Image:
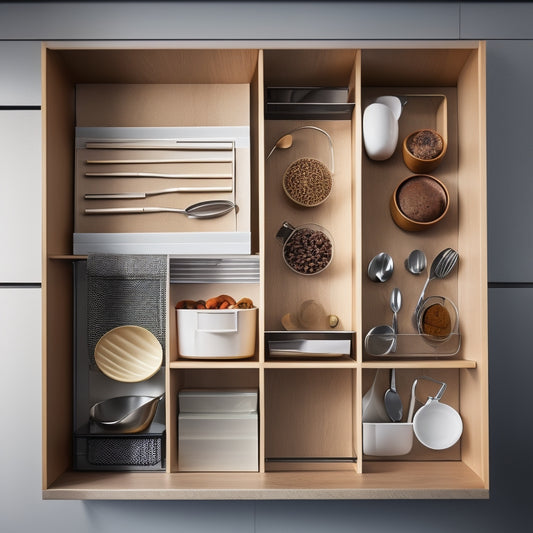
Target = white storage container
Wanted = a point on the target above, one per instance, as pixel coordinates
(216, 334)
(387, 438)
(218, 442)
(218, 401)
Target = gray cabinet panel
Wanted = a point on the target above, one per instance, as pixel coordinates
(509, 153)
(20, 196)
(233, 21)
(20, 68)
(496, 20)
(511, 368)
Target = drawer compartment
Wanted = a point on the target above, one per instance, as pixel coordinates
(218, 442)
(144, 451)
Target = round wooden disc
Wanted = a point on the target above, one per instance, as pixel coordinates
(129, 354)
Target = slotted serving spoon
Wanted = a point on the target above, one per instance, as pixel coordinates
(441, 266)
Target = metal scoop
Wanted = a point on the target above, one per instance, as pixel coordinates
(207, 209)
(125, 414)
(416, 262)
(381, 267)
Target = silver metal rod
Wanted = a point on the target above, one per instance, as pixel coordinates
(140, 195)
(160, 145)
(148, 161)
(154, 175)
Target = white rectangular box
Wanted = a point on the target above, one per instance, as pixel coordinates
(218, 401)
(217, 333)
(218, 442)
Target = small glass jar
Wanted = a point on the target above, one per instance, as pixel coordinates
(307, 249)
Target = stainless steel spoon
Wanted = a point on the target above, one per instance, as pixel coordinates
(395, 305)
(416, 262)
(393, 402)
(207, 209)
(442, 265)
(381, 267)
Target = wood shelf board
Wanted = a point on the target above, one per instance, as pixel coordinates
(159, 65)
(67, 257)
(421, 363)
(383, 480)
(205, 364)
(332, 363)
(309, 363)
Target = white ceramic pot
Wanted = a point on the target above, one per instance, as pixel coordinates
(387, 438)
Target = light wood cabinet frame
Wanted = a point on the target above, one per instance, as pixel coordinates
(453, 68)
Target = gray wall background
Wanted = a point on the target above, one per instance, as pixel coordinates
(508, 28)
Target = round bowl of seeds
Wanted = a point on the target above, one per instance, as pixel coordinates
(424, 150)
(307, 182)
(307, 249)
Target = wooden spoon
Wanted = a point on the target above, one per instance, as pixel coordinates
(283, 143)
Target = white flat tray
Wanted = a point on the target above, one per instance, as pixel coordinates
(310, 348)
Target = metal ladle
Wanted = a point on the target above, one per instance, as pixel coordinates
(207, 209)
(416, 262)
(393, 402)
(381, 267)
(442, 265)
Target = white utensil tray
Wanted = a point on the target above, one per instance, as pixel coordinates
(309, 344)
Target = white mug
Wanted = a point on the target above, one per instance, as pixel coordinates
(437, 425)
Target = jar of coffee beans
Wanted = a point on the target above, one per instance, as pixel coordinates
(307, 249)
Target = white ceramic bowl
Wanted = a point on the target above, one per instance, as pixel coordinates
(437, 425)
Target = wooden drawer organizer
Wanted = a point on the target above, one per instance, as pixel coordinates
(310, 429)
